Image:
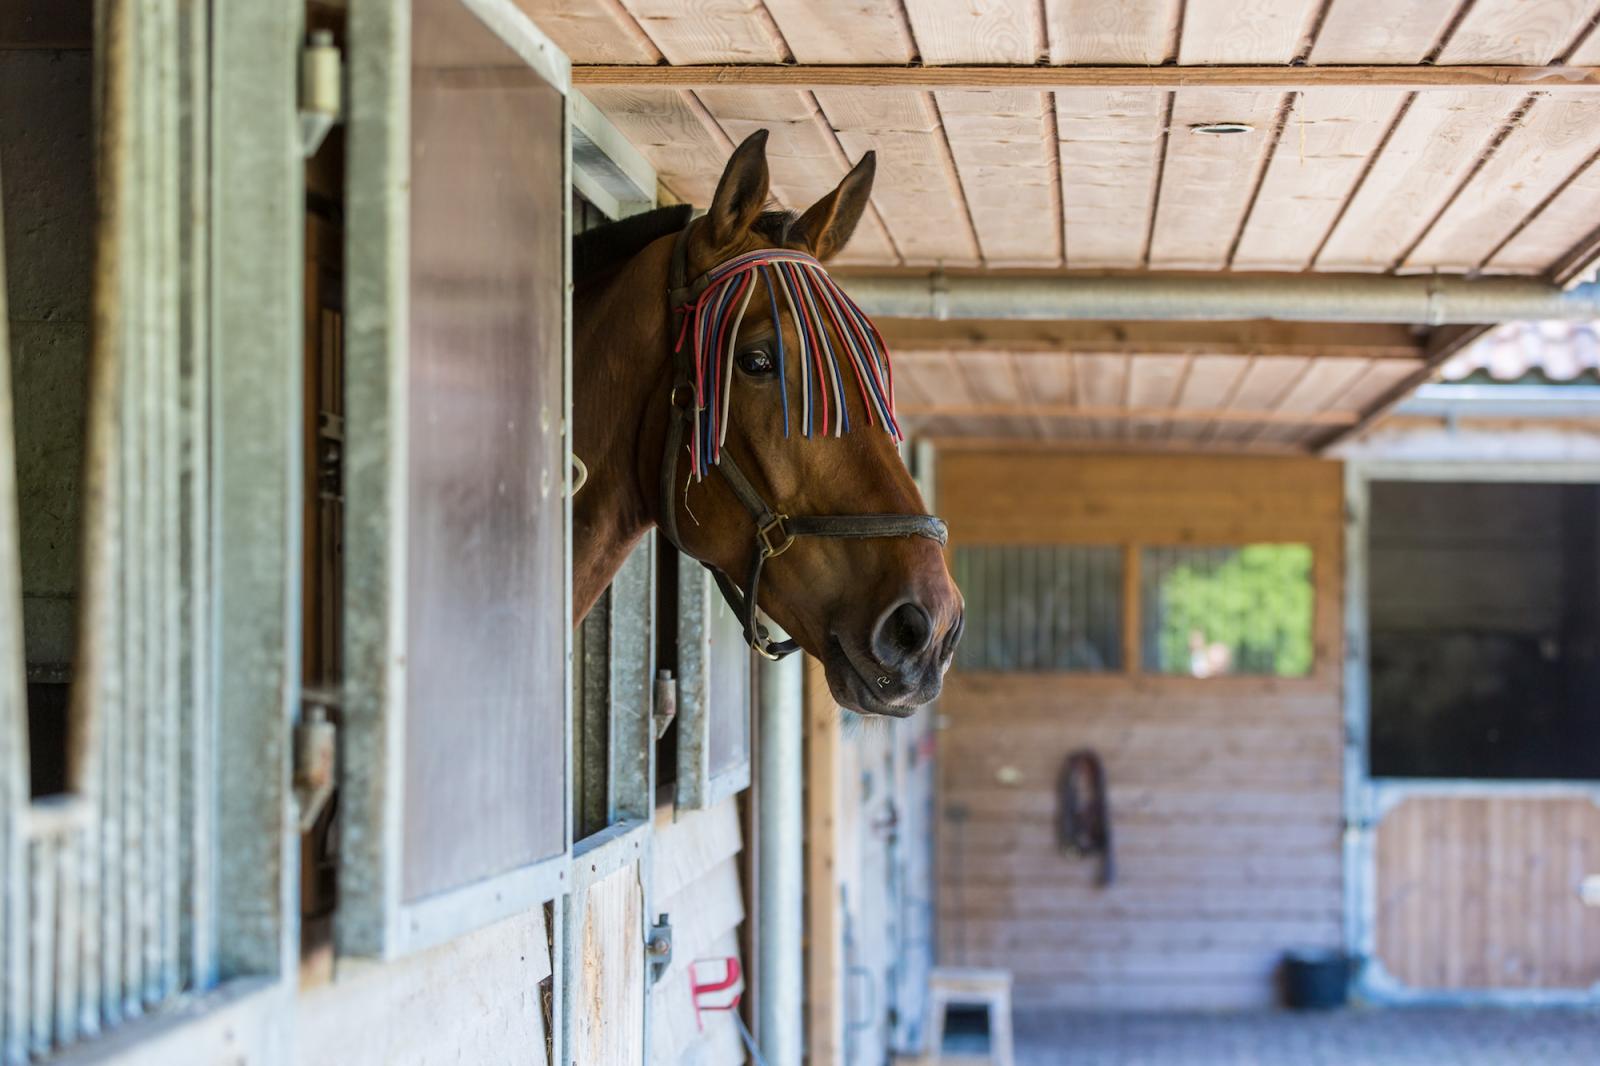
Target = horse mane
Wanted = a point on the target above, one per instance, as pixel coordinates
(602, 251)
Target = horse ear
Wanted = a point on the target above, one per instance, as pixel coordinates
(742, 191)
(827, 224)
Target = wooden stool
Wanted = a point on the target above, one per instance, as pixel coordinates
(953, 986)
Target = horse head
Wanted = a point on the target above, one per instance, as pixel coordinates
(769, 449)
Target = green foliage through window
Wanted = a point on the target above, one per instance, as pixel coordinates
(1209, 612)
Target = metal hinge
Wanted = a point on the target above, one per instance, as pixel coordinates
(316, 751)
(658, 948)
(665, 707)
(321, 90)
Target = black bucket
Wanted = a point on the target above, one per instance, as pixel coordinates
(1316, 980)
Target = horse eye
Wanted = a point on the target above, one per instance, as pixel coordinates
(757, 362)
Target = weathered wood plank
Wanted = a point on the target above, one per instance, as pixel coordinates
(1505, 81)
(1381, 31)
(1434, 146)
(1555, 139)
(1134, 31)
(1225, 31)
(1110, 145)
(1007, 165)
(1326, 144)
(1207, 180)
(1480, 892)
(919, 192)
(1267, 339)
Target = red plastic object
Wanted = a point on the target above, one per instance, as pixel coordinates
(729, 979)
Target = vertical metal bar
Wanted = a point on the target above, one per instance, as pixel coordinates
(780, 872)
(41, 942)
(256, 338)
(69, 893)
(197, 940)
(1131, 652)
(376, 399)
(170, 709)
(14, 783)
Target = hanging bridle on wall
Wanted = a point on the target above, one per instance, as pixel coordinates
(707, 313)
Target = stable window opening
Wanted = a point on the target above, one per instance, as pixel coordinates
(1484, 630)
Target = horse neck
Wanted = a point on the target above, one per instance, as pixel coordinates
(621, 375)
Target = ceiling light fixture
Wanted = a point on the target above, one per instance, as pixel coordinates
(1221, 127)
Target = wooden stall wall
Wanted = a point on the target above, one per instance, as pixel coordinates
(1224, 792)
(1481, 892)
(695, 880)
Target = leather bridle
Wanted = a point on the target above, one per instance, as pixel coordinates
(775, 531)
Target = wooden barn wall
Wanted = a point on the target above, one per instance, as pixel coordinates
(1479, 892)
(695, 881)
(474, 999)
(1224, 793)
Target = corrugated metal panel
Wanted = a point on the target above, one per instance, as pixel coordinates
(1041, 608)
(98, 900)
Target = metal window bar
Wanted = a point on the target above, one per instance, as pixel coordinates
(99, 898)
(1041, 608)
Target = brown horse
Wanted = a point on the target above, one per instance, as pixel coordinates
(881, 611)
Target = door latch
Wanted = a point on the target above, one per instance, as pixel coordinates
(316, 749)
(658, 948)
(321, 90)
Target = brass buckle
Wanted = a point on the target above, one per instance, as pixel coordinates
(764, 537)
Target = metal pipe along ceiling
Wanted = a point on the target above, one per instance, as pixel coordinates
(1433, 301)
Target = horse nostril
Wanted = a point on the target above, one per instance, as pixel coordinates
(904, 632)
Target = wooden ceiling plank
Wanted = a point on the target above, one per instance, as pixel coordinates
(1045, 378)
(917, 191)
(711, 31)
(1551, 236)
(1516, 31)
(1323, 152)
(594, 31)
(836, 31)
(989, 378)
(1324, 382)
(666, 130)
(1555, 139)
(1208, 179)
(1267, 382)
(1154, 382)
(1092, 31)
(1436, 144)
(1382, 31)
(1110, 146)
(1264, 338)
(1226, 31)
(977, 31)
(938, 377)
(997, 140)
(1117, 413)
(1491, 79)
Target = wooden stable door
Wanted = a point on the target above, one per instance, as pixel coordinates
(1486, 892)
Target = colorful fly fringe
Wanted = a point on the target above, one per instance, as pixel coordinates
(815, 304)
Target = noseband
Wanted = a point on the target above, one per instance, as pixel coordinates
(775, 531)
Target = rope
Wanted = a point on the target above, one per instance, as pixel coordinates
(749, 1041)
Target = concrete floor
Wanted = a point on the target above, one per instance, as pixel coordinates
(1393, 1037)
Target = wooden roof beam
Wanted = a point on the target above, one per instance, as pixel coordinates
(1262, 339)
(1276, 78)
(1161, 414)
